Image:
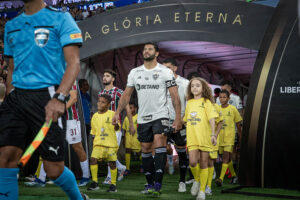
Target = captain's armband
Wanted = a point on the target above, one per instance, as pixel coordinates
(170, 83)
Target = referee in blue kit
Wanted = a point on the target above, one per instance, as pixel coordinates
(43, 49)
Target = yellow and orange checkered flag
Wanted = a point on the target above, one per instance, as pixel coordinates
(35, 144)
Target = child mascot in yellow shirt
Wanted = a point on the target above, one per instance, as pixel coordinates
(105, 146)
(200, 117)
(232, 119)
(132, 143)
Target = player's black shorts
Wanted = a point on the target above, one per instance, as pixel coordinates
(178, 138)
(147, 131)
(22, 114)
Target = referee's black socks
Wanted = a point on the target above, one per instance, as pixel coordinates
(160, 160)
(148, 166)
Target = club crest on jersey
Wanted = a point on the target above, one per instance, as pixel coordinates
(202, 105)
(193, 114)
(155, 76)
(41, 37)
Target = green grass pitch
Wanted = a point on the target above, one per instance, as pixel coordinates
(130, 187)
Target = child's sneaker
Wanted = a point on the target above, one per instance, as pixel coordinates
(83, 182)
(112, 188)
(219, 182)
(107, 181)
(36, 183)
(208, 191)
(93, 186)
(121, 174)
(127, 172)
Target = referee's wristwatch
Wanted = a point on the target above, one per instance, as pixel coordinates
(60, 97)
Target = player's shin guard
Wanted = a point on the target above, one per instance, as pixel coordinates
(183, 163)
(67, 182)
(148, 166)
(9, 184)
(160, 163)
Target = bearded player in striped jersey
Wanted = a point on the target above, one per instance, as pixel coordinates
(109, 77)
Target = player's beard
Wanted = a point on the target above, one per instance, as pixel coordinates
(106, 83)
(150, 58)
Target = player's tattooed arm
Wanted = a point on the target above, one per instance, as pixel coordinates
(125, 98)
(175, 100)
(177, 106)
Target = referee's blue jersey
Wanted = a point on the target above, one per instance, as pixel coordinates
(36, 42)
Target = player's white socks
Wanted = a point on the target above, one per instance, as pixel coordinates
(85, 169)
(42, 175)
(119, 165)
(170, 159)
(108, 172)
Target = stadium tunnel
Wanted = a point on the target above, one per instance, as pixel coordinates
(222, 40)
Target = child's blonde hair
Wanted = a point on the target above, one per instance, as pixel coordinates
(206, 90)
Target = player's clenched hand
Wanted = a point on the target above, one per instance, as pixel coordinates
(54, 109)
(131, 130)
(115, 119)
(177, 125)
(214, 140)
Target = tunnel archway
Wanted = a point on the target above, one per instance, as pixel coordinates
(271, 32)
